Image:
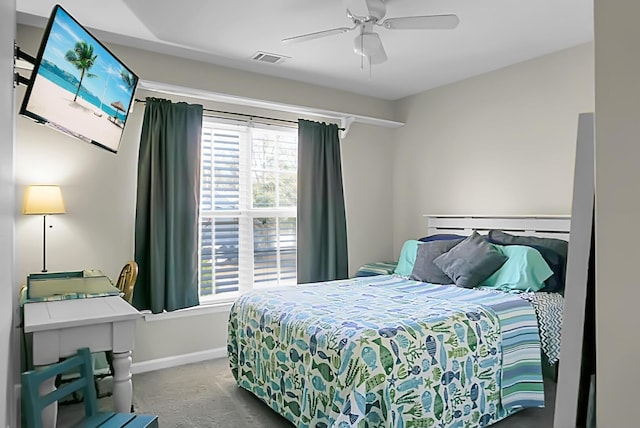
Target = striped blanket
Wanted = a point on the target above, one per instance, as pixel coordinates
(377, 268)
(386, 351)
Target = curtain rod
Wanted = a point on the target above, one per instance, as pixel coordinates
(250, 116)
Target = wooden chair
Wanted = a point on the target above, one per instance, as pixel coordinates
(33, 403)
(127, 280)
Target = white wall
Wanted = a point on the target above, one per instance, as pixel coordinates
(617, 67)
(9, 367)
(499, 143)
(99, 187)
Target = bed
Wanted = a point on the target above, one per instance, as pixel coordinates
(391, 351)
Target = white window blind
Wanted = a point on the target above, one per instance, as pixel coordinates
(247, 208)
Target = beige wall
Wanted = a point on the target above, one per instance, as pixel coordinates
(156, 67)
(207, 334)
(617, 67)
(9, 367)
(99, 187)
(368, 186)
(499, 143)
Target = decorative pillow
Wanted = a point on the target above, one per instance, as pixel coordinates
(424, 269)
(407, 258)
(441, 237)
(525, 270)
(554, 252)
(471, 261)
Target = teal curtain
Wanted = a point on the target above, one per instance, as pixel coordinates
(322, 225)
(166, 230)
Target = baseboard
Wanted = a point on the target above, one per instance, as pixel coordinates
(177, 360)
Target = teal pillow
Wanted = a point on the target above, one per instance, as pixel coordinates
(407, 258)
(524, 270)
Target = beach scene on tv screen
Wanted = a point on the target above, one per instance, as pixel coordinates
(80, 88)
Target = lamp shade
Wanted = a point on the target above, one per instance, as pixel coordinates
(43, 200)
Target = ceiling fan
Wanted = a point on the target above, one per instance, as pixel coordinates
(368, 43)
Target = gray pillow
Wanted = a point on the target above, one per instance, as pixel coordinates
(471, 261)
(424, 270)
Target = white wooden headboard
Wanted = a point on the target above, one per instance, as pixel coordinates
(545, 226)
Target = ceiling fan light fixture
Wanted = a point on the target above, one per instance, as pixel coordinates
(378, 58)
(367, 44)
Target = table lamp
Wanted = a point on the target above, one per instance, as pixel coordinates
(43, 200)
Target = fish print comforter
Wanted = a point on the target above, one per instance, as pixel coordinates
(386, 352)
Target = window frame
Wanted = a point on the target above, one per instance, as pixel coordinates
(245, 213)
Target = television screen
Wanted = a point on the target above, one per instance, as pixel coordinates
(78, 86)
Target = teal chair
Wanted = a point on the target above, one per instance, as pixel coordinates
(33, 404)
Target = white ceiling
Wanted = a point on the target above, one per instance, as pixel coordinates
(492, 34)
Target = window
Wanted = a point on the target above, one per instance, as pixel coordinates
(248, 197)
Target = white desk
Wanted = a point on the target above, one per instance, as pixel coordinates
(60, 328)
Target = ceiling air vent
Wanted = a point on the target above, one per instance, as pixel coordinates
(268, 57)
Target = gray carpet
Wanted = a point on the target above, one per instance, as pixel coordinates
(205, 395)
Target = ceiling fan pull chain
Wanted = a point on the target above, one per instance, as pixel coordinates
(361, 44)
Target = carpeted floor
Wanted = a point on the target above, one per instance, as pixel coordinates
(205, 395)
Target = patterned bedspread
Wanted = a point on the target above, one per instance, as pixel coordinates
(386, 351)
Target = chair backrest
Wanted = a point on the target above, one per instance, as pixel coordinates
(33, 403)
(127, 280)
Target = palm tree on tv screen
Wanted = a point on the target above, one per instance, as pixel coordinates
(82, 57)
(128, 79)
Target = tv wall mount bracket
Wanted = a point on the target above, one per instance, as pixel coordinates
(20, 54)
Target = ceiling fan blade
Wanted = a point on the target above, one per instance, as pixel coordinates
(376, 8)
(317, 35)
(430, 22)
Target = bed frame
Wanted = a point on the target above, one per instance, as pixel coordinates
(544, 226)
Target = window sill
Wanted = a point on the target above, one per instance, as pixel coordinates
(202, 309)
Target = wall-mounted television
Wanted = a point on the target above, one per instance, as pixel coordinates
(78, 86)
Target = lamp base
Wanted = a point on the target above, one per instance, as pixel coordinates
(44, 243)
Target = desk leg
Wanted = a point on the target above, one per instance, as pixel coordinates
(122, 386)
(50, 413)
